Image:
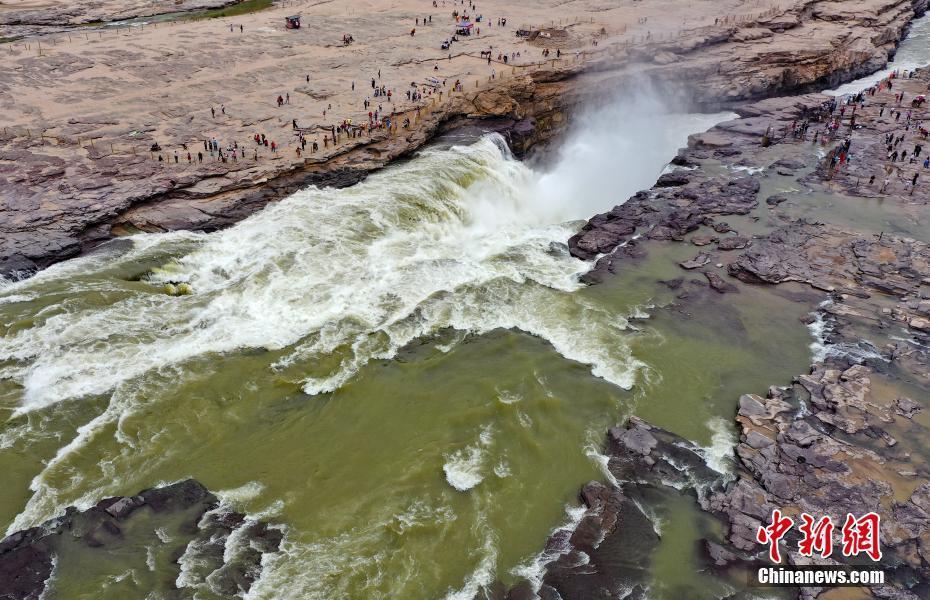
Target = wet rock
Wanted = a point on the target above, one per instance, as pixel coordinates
(673, 284)
(734, 242)
(703, 240)
(719, 555)
(832, 442)
(697, 262)
(718, 284)
(907, 408)
(775, 200)
(123, 507)
(673, 179)
(26, 557)
(789, 164)
(642, 452)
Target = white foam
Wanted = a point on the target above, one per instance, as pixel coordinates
(48, 588)
(817, 328)
(246, 492)
(860, 351)
(592, 449)
(508, 397)
(719, 455)
(481, 576)
(502, 469)
(163, 535)
(456, 239)
(463, 468)
(534, 569)
(193, 565)
(421, 514)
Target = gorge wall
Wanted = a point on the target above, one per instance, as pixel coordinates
(50, 211)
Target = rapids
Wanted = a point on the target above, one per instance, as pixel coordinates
(402, 373)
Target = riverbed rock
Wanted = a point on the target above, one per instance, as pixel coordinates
(718, 284)
(27, 557)
(841, 438)
(700, 260)
(732, 242)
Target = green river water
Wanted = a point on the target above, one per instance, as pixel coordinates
(404, 375)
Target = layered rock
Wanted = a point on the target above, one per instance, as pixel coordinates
(25, 19)
(67, 190)
(28, 558)
(848, 437)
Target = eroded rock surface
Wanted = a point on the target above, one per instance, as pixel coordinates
(27, 558)
(75, 164)
(849, 436)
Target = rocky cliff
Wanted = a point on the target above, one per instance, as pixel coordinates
(850, 436)
(54, 207)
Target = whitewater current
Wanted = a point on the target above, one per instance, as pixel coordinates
(464, 238)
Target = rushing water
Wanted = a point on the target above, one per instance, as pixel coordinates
(913, 52)
(404, 373)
